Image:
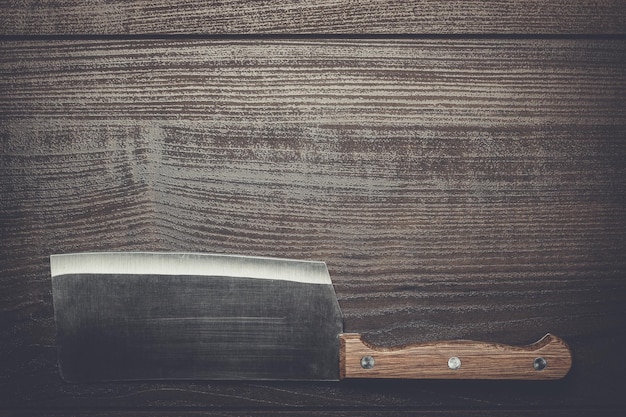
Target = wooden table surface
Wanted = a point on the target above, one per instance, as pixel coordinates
(460, 166)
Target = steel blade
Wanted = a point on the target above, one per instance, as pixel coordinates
(144, 316)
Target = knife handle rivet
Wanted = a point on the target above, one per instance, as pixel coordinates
(367, 362)
(540, 364)
(454, 363)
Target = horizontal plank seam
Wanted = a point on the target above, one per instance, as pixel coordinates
(278, 36)
(295, 408)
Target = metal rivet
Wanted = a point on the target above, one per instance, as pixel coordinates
(454, 363)
(540, 364)
(367, 362)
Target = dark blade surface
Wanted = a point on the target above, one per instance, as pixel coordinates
(215, 323)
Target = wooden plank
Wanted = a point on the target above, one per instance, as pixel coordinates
(361, 84)
(355, 412)
(125, 17)
(457, 189)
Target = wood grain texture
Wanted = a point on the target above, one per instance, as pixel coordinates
(469, 189)
(411, 86)
(132, 17)
(472, 360)
(355, 412)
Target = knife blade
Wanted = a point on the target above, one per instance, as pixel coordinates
(167, 316)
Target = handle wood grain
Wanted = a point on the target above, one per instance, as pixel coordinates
(549, 358)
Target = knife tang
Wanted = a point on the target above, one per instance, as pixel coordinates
(549, 358)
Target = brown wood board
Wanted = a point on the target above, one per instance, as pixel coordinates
(133, 17)
(456, 188)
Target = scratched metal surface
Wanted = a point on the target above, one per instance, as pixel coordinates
(151, 327)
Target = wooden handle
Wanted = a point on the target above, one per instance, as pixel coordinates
(549, 358)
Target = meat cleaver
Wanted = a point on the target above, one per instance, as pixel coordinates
(166, 316)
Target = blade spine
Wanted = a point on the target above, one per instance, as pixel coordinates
(305, 271)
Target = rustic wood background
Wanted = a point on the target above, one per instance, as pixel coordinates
(460, 166)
